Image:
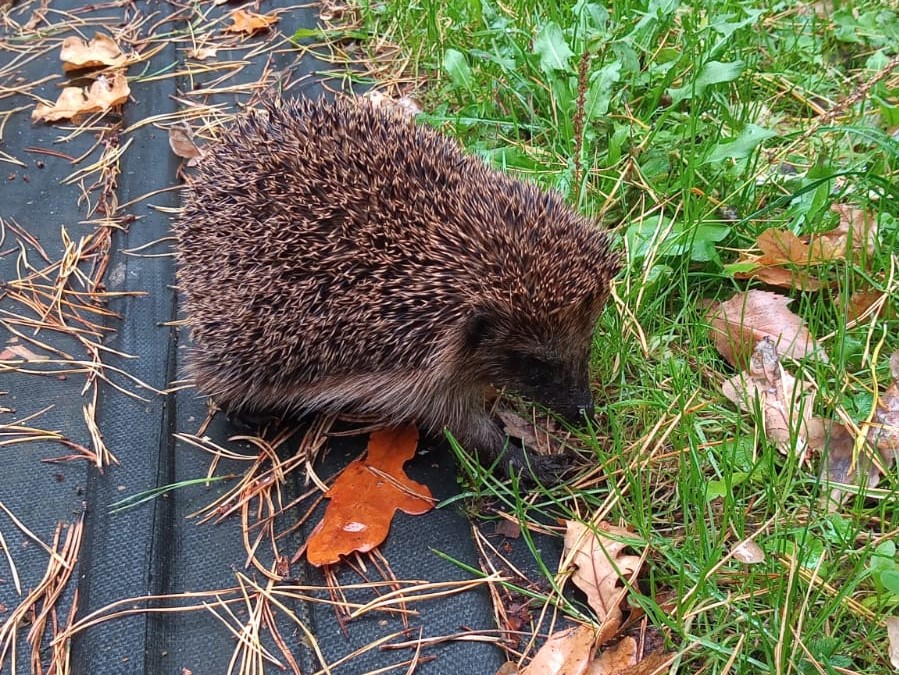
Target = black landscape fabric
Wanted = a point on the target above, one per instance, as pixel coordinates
(156, 548)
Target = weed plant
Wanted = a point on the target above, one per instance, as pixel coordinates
(688, 128)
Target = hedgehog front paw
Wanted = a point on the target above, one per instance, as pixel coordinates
(547, 470)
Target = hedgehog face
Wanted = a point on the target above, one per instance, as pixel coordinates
(547, 365)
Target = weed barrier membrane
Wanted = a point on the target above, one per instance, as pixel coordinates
(157, 548)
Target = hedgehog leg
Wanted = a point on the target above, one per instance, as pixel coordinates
(495, 447)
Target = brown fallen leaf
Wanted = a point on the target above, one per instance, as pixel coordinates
(249, 22)
(652, 664)
(103, 94)
(857, 231)
(19, 351)
(365, 496)
(892, 624)
(543, 443)
(863, 300)
(739, 323)
(782, 251)
(566, 652)
(404, 105)
(884, 431)
(102, 50)
(782, 277)
(182, 144)
(842, 465)
(203, 53)
(615, 659)
(601, 566)
(785, 402)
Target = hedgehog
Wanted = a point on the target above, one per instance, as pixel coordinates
(334, 256)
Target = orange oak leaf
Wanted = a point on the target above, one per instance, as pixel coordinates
(365, 496)
(249, 22)
(854, 236)
(103, 94)
(102, 50)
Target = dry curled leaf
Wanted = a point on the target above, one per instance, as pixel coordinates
(533, 437)
(884, 433)
(19, 351)
(203, 53)
(785, 402)
(601, 566)
(249, 22)
(856, 232)
(103, 94)
(843, 465)
(101, 51)
(405, 106)
(739, 323)
(566, 652)
(365, 496)
(615, 659)
(182, 144)
(892, 624)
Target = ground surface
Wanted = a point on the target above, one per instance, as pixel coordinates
(154, 548)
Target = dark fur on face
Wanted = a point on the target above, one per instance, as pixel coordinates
(335, 257)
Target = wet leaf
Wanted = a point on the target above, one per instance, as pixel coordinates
(601, 566)
(101, 51)
(785, 402)
(738, 324)
(566, 652)
(103, 94)
(248, 23)
(365, 496)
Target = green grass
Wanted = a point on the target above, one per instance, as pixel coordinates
(714, 121)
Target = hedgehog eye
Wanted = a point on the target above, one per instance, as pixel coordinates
(478, 330)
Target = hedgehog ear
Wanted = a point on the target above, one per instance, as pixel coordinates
(478, 329)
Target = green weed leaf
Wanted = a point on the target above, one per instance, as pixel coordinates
(740, 147)
(713, 72)
(889, 579)
(599, 95)
(456, 66)
(551, 47)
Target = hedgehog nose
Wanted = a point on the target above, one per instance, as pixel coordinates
(574, 414)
